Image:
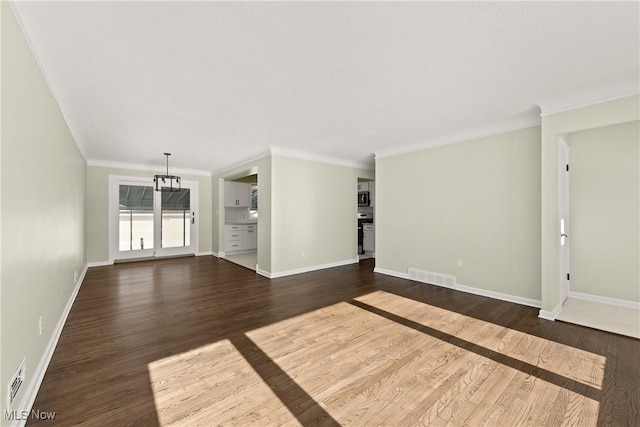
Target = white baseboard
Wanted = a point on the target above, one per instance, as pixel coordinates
(240, 252)
(112, 262)
(31, 391)
(605, 300)
(103, 263)
(471, 290)
(309, 269)
(499, 295)
(99, 264)
(263, 272)
(391, 273)
(550, 315)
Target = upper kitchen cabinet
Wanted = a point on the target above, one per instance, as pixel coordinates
(237, 194)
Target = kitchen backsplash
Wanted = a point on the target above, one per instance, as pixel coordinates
(235, 214)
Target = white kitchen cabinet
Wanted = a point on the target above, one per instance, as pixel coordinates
(369, 240)
(241, 237)
(363, 186)
(237, 194)
(233, 238)
(230, 194)
(244, 195)
(250, 237)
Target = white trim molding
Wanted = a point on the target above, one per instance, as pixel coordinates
(605, 300)
(391, 273)
(263, 272)
(469, 289)
(99, 264)
(462, 136)
(210, 253)
(304, 155)
(45, 75)
(145, 168)
(308, 269)
(245, 165)
(499, 295)
(550, 315)
(31, 392)
(561, 109)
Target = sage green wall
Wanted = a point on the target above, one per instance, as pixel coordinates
(98, 209)
(477, 200)
(261, 167)
(605, 211)
(555, 126)
(313, 213)
(43, 208)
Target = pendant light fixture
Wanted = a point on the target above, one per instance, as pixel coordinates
(167, 183)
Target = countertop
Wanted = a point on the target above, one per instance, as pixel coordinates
(241, 222)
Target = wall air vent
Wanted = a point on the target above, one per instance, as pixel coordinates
(439, 279)
(15, 382)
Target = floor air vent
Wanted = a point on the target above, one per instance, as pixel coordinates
(15, 382)
(432, 278)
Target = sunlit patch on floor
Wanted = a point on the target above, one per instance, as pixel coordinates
(213, 385)
(381, 359)
(365, 369)
(573, 363)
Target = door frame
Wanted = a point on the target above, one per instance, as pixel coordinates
(113, 208)
(564, 219)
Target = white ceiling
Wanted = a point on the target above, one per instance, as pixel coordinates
(219, 83)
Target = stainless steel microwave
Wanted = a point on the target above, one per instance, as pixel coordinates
(363, 198)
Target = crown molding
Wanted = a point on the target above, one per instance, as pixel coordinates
(477, 133)
(146, 168)
(245, 164)
(305, 155)
(47, 80)
(561, 109)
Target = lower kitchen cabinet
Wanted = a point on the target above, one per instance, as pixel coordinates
(233, 238)
(241, 237)
(250, 237)
(369, 240)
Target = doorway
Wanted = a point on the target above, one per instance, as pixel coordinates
(602, 232)
(148, 224)
(365, 218)
(240, 232)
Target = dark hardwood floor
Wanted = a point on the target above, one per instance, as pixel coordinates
(202, 341)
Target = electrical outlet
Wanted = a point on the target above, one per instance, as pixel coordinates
(40, 325)
(460, 263)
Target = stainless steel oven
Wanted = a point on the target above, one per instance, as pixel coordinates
(363, 218)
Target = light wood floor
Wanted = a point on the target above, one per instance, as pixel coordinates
(201, 341)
